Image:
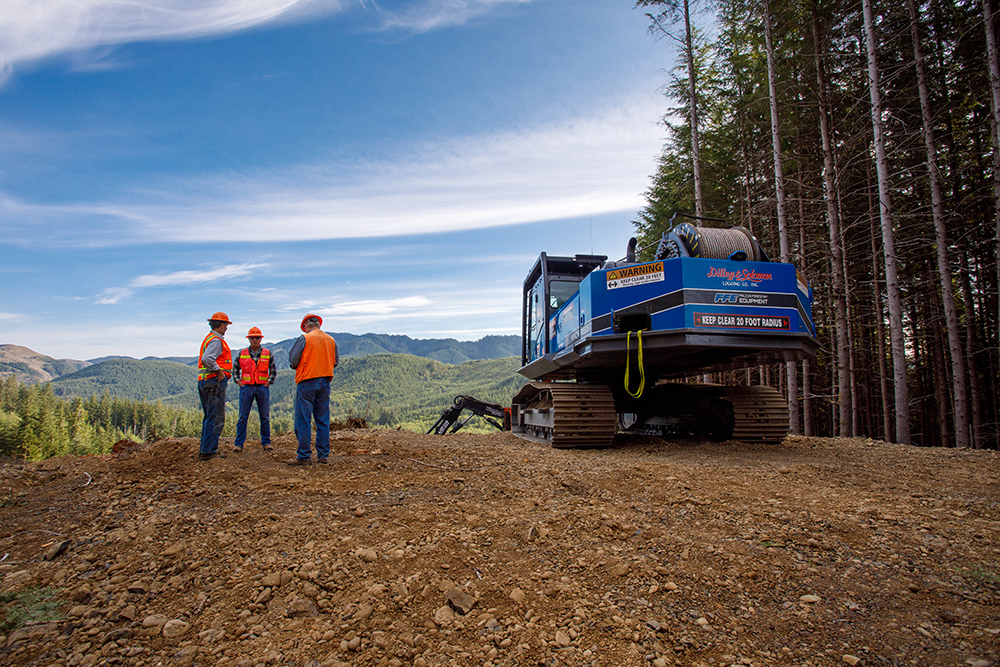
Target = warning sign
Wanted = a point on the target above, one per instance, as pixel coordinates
(769, 322)
(629, 276)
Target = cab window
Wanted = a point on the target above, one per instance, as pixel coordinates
(561, 291)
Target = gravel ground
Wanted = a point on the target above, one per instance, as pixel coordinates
(411, 549)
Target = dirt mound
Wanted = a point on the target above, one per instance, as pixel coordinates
(411, 549)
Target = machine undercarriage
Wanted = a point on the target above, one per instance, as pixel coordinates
(566, 415)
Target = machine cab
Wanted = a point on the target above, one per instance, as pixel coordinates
(551, 282)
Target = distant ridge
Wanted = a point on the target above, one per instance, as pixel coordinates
(98, 360)
(32, 367)
(445, 350)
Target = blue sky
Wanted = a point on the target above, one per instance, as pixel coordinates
(393, 166)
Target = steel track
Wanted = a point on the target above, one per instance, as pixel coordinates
(570, 415)
(761, 414)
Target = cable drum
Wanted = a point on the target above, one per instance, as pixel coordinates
(721, 243)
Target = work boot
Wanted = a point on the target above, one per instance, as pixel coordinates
(323, 461)
(299, 462)
(207, 457)
(268, 448)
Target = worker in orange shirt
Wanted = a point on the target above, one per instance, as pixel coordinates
(313, 356)
(215, 366)
(255, 373)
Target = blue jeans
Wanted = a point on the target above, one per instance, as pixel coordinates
(213, 403)
(312, 401)
(248, 394)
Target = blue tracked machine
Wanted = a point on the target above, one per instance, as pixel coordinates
(601, 340)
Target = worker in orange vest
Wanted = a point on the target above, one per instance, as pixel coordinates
(215, 366)
(255, 373)
(313, 356)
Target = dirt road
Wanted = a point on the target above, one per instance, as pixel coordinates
(487, 550)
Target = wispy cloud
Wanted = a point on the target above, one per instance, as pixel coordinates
(90, 30)
(378, 307)
(469, 320)
(424, 17)
(461, 313)
(113, 295)
(35, 29)
(573, 169)
(419, 308)
(195, 277)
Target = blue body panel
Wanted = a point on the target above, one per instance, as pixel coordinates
(693, 294)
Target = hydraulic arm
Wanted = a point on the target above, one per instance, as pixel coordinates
(488, 411)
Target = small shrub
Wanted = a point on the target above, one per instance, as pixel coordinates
(28, 605)
(979, 575)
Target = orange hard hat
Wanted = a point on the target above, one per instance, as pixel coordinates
(221, 317)
(254, 333)
(309, 316)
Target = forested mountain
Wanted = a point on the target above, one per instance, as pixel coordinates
(388, 389)
(862, 149)
(31, 367)
(446, 350)
(149, 380)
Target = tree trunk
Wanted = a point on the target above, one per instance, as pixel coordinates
(883, 370)
(699, 208)
(935, 350)
(961, 401)
(970, 351)
(852, 373)
(836, 241)
(806, 365)
(994, 66)
(896, 333)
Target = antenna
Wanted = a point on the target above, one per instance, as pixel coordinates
(590, 215)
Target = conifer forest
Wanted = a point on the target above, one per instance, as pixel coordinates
(857, 140)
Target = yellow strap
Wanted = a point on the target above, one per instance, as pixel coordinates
(642, 371)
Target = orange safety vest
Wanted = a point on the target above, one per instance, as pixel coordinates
(255, 373)
(318, 356)
(224, 360)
